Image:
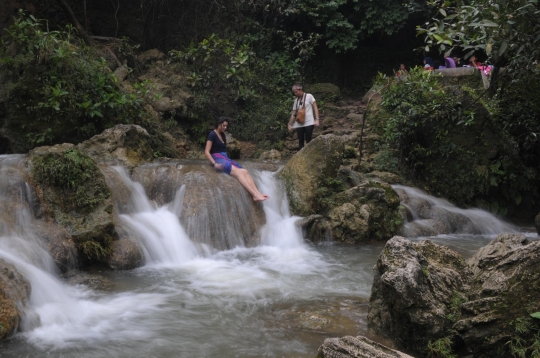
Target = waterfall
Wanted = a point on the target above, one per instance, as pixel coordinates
(163, 240)
(426, 215)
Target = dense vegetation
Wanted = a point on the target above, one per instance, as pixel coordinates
(239, 58)
(55, 89)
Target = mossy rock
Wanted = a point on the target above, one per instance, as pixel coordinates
(74, 194)
(317, 163)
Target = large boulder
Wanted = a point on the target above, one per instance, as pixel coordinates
(365, 212)
(356, 347)
(14, 294)
(414, 292)
(125, 144)
(74, 195)
(317, 163)
(425, 293)
(504, 292)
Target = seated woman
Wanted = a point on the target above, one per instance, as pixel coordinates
(216, 152)
(474, 63)
(402, 70)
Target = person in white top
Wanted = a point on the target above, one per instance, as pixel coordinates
(304, 130)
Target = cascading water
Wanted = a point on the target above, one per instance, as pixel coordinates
(464, 230)
(192, 298)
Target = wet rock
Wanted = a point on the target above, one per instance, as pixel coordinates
(59, 244)
(214, 204)
(308, 169)
(14, 295)
(503, 291)
(316, 228)
(413, 290)
(83, 207)
(95, 282)
(537, 223)
(126, 145)
(272, 155)
(356, 347)
(365, 212)
(126, 255)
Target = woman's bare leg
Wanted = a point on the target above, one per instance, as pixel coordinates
(247, 182)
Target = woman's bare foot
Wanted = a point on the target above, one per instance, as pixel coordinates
(260, 198)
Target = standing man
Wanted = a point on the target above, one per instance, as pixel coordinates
(304, 130)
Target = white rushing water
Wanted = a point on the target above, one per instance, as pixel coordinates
(278, 299)
(189, 299)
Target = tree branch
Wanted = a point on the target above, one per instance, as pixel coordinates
(74, 21)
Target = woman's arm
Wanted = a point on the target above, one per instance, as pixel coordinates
(207, 152)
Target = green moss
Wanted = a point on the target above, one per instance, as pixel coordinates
(76, 175)
(96, 251)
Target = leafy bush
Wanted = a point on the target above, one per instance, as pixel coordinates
(56, 87)
(456, 146)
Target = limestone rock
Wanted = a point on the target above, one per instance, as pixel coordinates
(59, 244)
(317, 162)
(386, 177)
(412, 292)
(272, 155)
(14, 294)
(126, 145)
(95, 282)
(356, 347)
(121, 73)
(126, 255)
(504, 288)
(84, 211)
(150, 55)
(234, 146)
(365, 212)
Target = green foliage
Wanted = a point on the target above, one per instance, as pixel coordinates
(229, 78)
(341, 23)
(441, 348)
(454, 308)
(526, 341)
(220, 61)
(75, 173)
(505, 30)
(56, 87)
(387, 161)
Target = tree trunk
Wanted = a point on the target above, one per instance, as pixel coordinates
(74, 21)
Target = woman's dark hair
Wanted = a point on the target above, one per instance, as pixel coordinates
(221, 120)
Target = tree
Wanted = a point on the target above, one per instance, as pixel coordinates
(507, 30)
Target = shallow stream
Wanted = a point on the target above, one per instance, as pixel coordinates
(279, 299)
